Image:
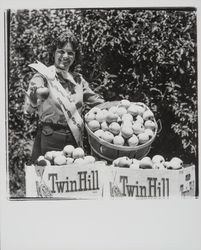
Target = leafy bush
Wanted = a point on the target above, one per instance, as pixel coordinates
(149, 54)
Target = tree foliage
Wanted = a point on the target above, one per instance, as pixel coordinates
(141, 55)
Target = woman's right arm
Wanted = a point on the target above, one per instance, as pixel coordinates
(31, 99)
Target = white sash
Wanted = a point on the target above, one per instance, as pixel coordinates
(60, 96)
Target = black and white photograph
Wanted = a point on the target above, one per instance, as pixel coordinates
(102, 102)
(100, 126)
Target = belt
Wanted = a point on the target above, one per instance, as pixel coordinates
(55, 126)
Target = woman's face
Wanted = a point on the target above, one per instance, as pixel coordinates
(64, 57)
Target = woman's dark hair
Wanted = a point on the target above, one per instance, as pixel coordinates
(64, 38)
(61, 41)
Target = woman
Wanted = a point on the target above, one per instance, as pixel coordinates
(59, 102)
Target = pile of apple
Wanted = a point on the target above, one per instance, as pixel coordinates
(127, 124)
(156, 162)
(67, 156)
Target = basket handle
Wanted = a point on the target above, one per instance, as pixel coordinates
(101, 149)
(159, 123)
(142, 104)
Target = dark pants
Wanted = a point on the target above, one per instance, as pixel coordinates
(49, 138)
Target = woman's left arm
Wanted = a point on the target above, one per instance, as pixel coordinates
(90, 98)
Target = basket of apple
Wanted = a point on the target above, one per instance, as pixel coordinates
(156, 162)
(68, 156)
(120, 128)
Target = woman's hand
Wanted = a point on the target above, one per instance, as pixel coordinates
(37, 93)
(42, 93)
(33, 96)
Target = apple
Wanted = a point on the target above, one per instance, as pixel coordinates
(95, 110)
(69, 160)
(121, 111)
(115, 162)
(48, 163)
(113, 109)
(127, 117)
(159, 166)
(149, 132)
(124, 162)
(146, 162)
(41, 157)
(93, 125)
(101, 115)
(139, 119)
(127, 123)
(126, 131)
(133, 109)
(89, 159)
(138, 128)
(52, 153)
(158, 159)
(99, 133)
(57, 153)
(143, 138)
(42, 93)
(124, 103)
(49, 155)
(133, 141)
(89, 117)
(41, 163)
(80, 161)
(147, 115)
(104, 126)
(78, 153)
(141, 110)
(135, 164)
(176, 163)
(111, 117)
(108, 136)
(167, 165)
(60, 160)
(150, 124)
(68, 150)
(114, 128)
(177, 159)
(118, 140)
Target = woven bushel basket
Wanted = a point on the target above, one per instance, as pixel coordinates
(104, 150)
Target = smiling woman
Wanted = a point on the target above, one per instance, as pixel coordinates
(66, 45)
(65, 56)
(59, 103)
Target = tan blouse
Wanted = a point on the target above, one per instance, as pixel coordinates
(77, 88)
